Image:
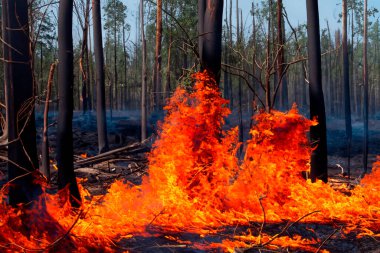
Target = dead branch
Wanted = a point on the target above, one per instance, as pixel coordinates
(328, 238)
(288, 225)
(133, 148)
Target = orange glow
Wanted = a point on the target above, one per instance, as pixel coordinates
(84, 155)
(196, 184)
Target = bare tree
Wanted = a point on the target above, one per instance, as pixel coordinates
(346, 84)
(317, 105)
(210, 35)
(64, 149)
(100, 79)
(144, 75)
(158, 58)
(365, 81)
(281, 57)
(22, 151)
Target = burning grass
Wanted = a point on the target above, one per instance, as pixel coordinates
(196, 185)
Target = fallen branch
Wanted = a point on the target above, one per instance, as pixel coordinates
(133, 148)
(290, 224)
(328, 238)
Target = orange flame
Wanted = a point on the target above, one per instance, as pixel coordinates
(196, 184)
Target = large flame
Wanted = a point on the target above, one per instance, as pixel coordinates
(195, 184)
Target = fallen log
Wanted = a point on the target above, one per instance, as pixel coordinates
(128, 150)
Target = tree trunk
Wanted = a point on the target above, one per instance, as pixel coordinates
(4, 24)
(100, 78)
(115, 98)
(45, 138)
(158, 59)
(210, 14)
(268, 64)
(124, 92)
(64, 149)
(241, 65)
(365, 86)
(144, 76)
(230, 81)
(225, 74)
(22, 147)
(168, 88)
(281, 58)
(256, 85)
(317, 106)
(83, 62)
(346, 85)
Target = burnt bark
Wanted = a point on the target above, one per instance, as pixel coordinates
(144, 76)
(210, 35)
(100, 78)
(317, 105)
(346, 84)
(365, 87)
(45, 159)
(84, 59)
(158, 59)
(66, 175)
(281, 58)
(22, 149)
(268, 64)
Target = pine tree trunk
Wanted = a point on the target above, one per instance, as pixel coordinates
(210, 14)
(365, 86)
(64, 149)
(346, 84)
(268, 64)
(116, 80)
(317, 106)
(158, 58)
(281, 58)
(45, 159)
(124, 100)
(84, 59)
(144, 76)
(100, 78)
(22, 145)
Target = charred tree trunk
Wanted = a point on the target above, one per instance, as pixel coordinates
(281, 58)
(114, 98)
(230, 81)
(124, 92)
(158, 59)
(256, 85)
(64, 150)
(84, 59)
(168, 88)
(100, 78)
(268, 64)
(144, 76)
(317, 105)
(4, 25)
(22, 150)
(45, 138)
(365, 86)
(241, 65)
(346, 85)
(225, 74)
(210, 35)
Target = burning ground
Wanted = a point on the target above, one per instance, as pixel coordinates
(197, 196)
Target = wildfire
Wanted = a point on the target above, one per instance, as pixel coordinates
(196, 184)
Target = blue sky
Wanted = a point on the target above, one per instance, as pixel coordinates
(296, 9)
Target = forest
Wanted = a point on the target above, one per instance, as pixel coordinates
(189, 126)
